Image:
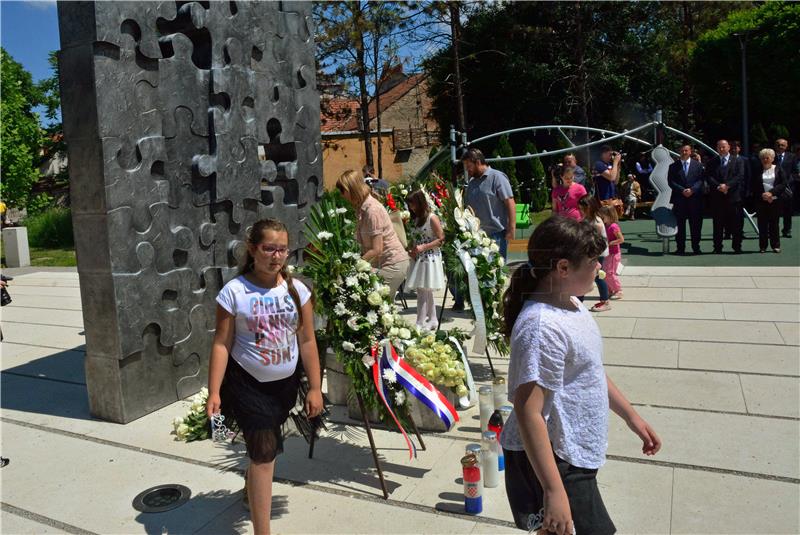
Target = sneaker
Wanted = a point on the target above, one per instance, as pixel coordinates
(776, 249)
(616, 295)
(601, 306)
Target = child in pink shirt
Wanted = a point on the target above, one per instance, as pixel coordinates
(612, 261)
(566, 194)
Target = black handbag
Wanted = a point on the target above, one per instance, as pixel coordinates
(5, 297)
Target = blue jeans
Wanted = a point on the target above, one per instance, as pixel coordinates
(500, 239)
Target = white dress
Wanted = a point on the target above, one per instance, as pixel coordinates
(426, 271)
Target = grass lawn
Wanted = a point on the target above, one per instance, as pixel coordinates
(50, 257)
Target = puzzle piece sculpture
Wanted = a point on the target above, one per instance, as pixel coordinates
(166, 108)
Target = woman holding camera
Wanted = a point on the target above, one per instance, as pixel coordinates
(566, 193)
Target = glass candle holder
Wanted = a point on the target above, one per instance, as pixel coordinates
(489, 462)
(499, 392)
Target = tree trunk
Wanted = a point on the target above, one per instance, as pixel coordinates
(361, 69)
(375, 53)
(455, 34)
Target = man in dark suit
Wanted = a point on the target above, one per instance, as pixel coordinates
(785, 160)
(685, 178)
(725, 178)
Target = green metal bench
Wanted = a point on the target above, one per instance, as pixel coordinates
(523, 216)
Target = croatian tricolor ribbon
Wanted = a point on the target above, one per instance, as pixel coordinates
(415, 384)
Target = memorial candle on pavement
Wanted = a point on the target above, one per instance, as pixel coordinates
(499, 392)
(496, 425)
(473, 495)
(486, 406)
(489, 446)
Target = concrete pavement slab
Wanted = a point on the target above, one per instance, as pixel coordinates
(777, 282)
(38, 316)
(658, 309)
(650, 294)
(68, 479)
(762, 312)
(750, 444)
(55, 336)
(49, 302)
(47, 363)
(790, 333)
(775, 396)
(748, 358)
(637, 352)
(744, 295)
(615, 327)
(19, 291)
(707, 330)
(19, 525)
(701, 282)
(638, 496)
(680, 388)
(706, 502)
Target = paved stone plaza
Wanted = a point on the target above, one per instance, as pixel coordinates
(709, 355)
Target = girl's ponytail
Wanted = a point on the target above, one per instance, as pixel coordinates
(523, 283)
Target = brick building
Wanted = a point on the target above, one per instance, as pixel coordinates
(407, 130)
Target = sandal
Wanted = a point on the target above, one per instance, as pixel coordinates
(616, 295)
(601, 306)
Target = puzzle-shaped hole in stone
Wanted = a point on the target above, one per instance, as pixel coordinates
(180, 258)
(249, 109)
(256, 55)
(106, 50)
(183, 23)
(131, 27)
(170, 299)
(301, 82)
(275, 150)
(129, 156)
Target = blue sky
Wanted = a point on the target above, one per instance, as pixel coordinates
(28, 32)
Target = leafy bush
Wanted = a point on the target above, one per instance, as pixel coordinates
(51, 228)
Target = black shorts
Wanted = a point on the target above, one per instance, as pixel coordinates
(258, 409)
(526, 497)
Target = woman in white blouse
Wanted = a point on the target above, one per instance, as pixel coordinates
(768, 187)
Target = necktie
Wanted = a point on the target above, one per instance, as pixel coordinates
(724, 161)
(686, 167)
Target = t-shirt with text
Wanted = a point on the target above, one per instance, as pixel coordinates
(565, 200)
(265, 340)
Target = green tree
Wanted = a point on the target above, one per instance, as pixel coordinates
(772, 32)
(20, 135)
(504, 150)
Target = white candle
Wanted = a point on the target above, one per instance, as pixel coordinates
(486, 405)
(499, 392)
(489, 467)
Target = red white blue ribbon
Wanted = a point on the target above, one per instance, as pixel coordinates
(415, 384)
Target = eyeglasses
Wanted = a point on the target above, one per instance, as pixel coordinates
(274, 251)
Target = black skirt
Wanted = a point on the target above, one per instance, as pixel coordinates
(258, 409)
(526, 496)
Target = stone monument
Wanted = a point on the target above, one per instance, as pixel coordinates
(186, 122)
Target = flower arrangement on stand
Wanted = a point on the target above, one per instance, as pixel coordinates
(436, 357)
(195, 425)
(363, 324)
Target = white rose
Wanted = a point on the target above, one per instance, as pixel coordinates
(500, 261)
(197, 406)
(394, 331)
(362, 265)
(352, 323)
(494, 247)
(387, 320)
(368, 360)
(182, 431)
(384, 290)
(348, 346)
(374, 299)
(404, 333)
(486, 242)
(177, 423)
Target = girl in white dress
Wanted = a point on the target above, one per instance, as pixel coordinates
(426, 273)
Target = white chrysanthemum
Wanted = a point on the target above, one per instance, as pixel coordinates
(351, 281)
(339, 309)
(390, 375)
(324, 235)
(387, 320)
(372, 317)
(385, 308)
(348, 346)
(399, 398)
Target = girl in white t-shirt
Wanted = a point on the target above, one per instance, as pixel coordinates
(556, 437)
(265, 324)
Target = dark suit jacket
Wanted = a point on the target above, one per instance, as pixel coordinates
(788, 165)
(678, 181)
(757, 185)
(732, 174)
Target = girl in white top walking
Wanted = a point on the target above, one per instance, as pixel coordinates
(426, 273)
(265, 324)
(556, 437)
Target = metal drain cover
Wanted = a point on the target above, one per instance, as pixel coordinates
(161, 498)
